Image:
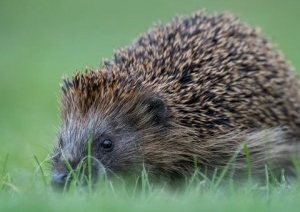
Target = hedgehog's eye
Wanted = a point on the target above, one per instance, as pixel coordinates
(106, 145)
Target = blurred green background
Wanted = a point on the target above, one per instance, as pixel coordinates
(42, 40)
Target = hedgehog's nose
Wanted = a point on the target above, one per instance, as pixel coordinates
(59, 180)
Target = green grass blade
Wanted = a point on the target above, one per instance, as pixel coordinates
(248, 161)
(41, 170)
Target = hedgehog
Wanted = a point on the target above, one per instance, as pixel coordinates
(195, 92)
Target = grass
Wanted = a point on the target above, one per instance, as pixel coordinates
(198, 194)
(43, 40)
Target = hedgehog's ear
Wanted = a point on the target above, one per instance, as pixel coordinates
(157, 108)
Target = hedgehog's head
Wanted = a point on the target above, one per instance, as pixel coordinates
(122, 123)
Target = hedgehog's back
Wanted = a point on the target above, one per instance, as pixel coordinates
(215, 73)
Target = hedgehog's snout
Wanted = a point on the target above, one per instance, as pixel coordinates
(80, 174)
(60, 181)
